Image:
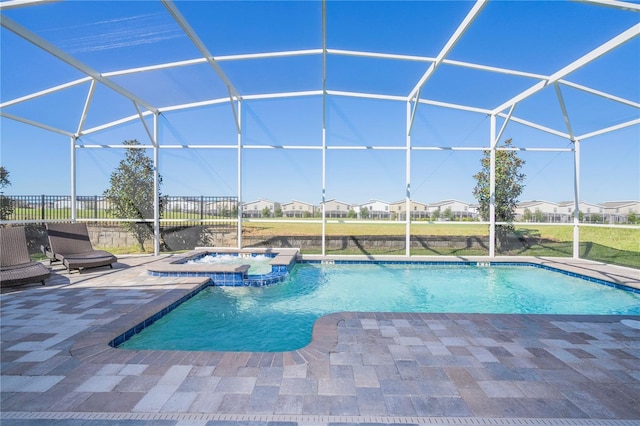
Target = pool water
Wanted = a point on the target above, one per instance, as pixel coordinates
(281, 317)
(259, 263)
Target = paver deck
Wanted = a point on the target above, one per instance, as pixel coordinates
(410, 368)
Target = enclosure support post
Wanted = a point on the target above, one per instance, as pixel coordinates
(324, 126)
(408, 181)
(239, 229)
(324, 183)
(492, 190)
(74, 211)
(156, 187)
(576, 199)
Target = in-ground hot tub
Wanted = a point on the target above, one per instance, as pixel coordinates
(194, 264)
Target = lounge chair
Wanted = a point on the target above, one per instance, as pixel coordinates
(16, 267)
(70, 244)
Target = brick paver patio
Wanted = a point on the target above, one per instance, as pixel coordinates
(360, 368)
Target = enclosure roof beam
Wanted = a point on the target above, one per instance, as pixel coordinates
(70, 60)
(462, 28)
(565, 114)
(85, 110)
(366, 95)
(494, 142)
(35, 124)
(375, 55)
(204, 51)
(609, 129)
(113, 123)
(146, 127)
(45, 92)
(455, 106)
(615, 4)
(268, 55)
(577, 64)
(14, 4)
(600, 93)
(190, 105)
(535, 126)
(338, 52)
(414, 110)
(498, 70)
(218, 101)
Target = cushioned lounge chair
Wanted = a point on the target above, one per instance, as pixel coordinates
(16, 267)
(70, 244)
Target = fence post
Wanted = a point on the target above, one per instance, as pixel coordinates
(201, 208)
(42, 207)
(95, 207)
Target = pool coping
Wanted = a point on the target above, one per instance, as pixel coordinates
(96, 345)
(283, 257)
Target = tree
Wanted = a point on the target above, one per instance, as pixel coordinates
(266, 212)
(131, 193)
(435, 216)
(6, 203)
(4, 177)
(448, 214)
(538, 215)
(527, 215)
(364, 213)
(509, 185)
(351, 214)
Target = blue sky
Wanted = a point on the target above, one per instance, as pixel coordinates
(536, 37)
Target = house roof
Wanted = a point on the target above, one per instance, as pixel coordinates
(614, 204)
(296, 201)
(445, 202)
(535, 203)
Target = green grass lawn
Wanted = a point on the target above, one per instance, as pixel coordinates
(616, 245)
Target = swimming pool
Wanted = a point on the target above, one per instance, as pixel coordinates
(281, 317)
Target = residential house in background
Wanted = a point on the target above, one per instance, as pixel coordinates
(474, 211)
(457, 209)
(418, 210)
(587, 210)
(256, 208)
(562, 212)
(223, 208)
(80, 204)
(618, 211)
(538, 211)
(212, 207)
(297, 208)
(182, 205)
(375, 209)
(335, 208)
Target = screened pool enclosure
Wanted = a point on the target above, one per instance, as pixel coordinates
(327, 104)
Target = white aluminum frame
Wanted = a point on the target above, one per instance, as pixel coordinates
(412, 100)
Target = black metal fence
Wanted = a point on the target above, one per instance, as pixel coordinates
(58, 207)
